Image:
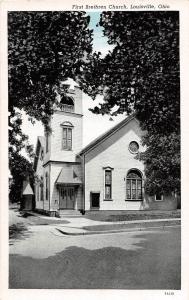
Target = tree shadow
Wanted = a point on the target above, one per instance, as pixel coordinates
(147, 267)
(18, 232)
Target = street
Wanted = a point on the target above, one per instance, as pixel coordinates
(42, 257)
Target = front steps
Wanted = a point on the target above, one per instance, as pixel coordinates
(69, 213)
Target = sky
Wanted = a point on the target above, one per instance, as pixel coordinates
(93, 125)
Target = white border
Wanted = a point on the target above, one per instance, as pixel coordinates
(183, 7)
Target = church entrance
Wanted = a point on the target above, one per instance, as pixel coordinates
(67, 198)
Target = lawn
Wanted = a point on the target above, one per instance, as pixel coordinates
(115, 216)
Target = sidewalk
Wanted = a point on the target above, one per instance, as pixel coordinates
(87, 227)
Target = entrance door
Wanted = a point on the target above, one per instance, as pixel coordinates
(67, 198)
(95, 201)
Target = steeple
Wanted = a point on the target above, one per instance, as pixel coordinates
(65, 139)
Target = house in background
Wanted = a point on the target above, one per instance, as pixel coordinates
(105, 175)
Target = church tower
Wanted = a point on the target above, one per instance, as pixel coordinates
(62, 175)
(65, 139)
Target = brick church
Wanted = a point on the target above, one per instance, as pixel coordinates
(105, 175)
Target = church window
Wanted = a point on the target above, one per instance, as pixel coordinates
(133, 147)
(47, 187)
(47, 142)
(42, 155)
(134, 185)
(108, 184)
(67, 138)
(67, 104)
(41, 187)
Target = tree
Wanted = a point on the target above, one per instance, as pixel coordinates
(141, 74)
(44, 48)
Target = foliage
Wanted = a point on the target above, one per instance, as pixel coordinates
(44, 48)
(141, 75)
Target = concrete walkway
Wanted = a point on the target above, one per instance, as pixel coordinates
(75, 226)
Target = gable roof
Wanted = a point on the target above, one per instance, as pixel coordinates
(108, 133)
(28, 190)
(40, 143)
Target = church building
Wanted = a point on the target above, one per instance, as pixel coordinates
(105, 175)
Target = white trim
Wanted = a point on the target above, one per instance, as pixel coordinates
(104, 181)
(131, 150)
(162, 198)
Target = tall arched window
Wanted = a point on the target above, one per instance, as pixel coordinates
(134, 185)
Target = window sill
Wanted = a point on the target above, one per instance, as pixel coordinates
(131, 200)
(108, 199)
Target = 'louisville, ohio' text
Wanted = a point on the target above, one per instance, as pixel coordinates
(120, 7)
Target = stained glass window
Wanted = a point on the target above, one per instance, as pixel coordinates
(134, 186)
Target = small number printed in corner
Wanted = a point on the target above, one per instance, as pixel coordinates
(169, 293)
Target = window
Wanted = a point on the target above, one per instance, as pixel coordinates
(158, 197)
(42, 155)
(47, 142)
(67, 104)
(133, 147)
(108, 184)
(47, 189)
(67, 138)
(41, 186)
(134, 185)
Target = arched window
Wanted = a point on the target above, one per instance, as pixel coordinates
(67, 104)
(47, 186)
(134, 185)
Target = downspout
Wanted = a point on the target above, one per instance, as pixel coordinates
(84, 184)
(49, 187)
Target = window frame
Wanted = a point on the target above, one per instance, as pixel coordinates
(110, 185)
(42, 155)
(68, 127)
(46, 186)
(134, 152)
(67, 139)
(41, 190)
(130, 179)
(47, 142)
(162, 198)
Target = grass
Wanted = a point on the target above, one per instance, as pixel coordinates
(144, 225)
(38, 220)
(16, 231)
(115, 216)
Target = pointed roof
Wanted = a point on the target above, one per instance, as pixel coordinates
(28, 190)
(108, 133)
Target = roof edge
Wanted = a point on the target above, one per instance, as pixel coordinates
(105, 135)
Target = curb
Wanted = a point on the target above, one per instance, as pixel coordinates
(162, 226)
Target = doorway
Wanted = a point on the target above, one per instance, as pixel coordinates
(95, 201)
(67, 198)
